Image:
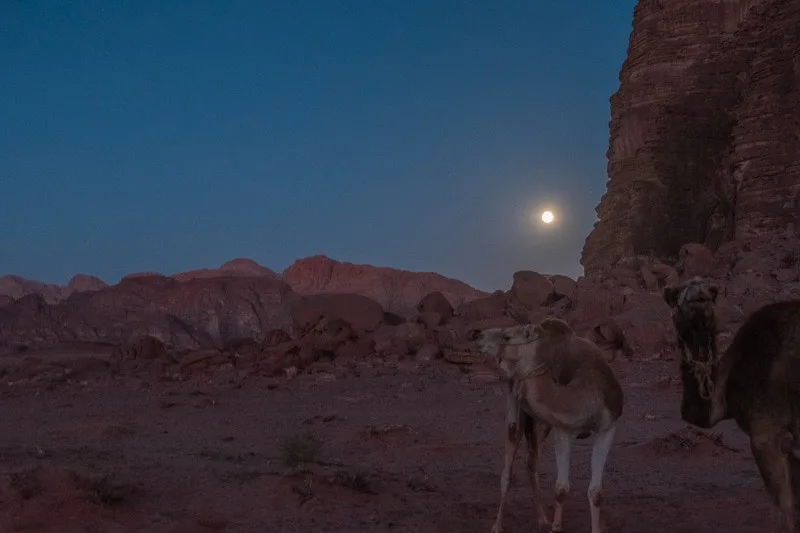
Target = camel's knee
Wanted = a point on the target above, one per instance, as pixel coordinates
(562, 491)
(595, 496)
(505, 476)
(767, 443)
(513, 431)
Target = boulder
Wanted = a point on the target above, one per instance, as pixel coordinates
(429, 352)
(486, 308)
(530, 289)
(436, 303)
(563, 286)
(593, 302)
(362, 313)
(276, 336)
(647, 324)
(145, 347)
(401, 340)
(695, 259)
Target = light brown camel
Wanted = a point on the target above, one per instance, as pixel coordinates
(562, 382)
(756, 383)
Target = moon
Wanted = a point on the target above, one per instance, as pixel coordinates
(547, 217)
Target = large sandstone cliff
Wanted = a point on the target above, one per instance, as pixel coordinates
(705, 130)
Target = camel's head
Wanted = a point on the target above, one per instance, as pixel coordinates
(490, 341)
(500, 343)
(517, 335)
(692, 304)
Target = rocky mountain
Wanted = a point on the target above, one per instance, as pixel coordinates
(14, 287)
(83, 283)
(216, 307)
(240, 267)
(705, 130)
(190, 314)
(398, 291)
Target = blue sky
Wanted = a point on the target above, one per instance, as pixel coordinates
(164, 136)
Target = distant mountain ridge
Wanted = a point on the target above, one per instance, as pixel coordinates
(396, 290)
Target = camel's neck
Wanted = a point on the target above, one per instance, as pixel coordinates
(699, 344)
(705, 369)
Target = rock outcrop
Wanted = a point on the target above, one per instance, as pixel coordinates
(15, 287)
(258, 324)
(192, 314)
(398, 291)
(240, 267)
(84, 283)
(704, 145)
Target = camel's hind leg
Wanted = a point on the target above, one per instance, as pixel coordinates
(536, 432)
(600, 449)
(513, 436)
(769, 451)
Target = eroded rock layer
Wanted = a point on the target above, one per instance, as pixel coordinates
(705, 130)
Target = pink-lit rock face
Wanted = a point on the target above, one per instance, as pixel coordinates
(398, 291)
(240, 267)
(192, 314)
(698, 150)
(85, 283)
(15, 287)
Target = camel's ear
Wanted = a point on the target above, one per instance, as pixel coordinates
(670, 294)
(714, 291)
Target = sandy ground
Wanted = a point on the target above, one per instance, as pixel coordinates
(408, 448)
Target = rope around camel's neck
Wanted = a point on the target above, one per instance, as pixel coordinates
(703, 369)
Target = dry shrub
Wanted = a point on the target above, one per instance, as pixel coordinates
(301, 449)
(102, 490)
(26, 483)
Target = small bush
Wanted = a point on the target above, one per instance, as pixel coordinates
(100, 490)
(26, 483)
(357, 481)
(789, 260)
(301, 449)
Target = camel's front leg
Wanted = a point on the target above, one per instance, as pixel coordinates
(513, 436)
(794, 473)
(536, 436)
(600, 449)
(773, 463)
(563, 445)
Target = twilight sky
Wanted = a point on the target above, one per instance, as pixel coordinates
(165, 136)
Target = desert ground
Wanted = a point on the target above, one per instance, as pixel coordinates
(400, 446)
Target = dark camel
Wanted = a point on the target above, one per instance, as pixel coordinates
(756, 383)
